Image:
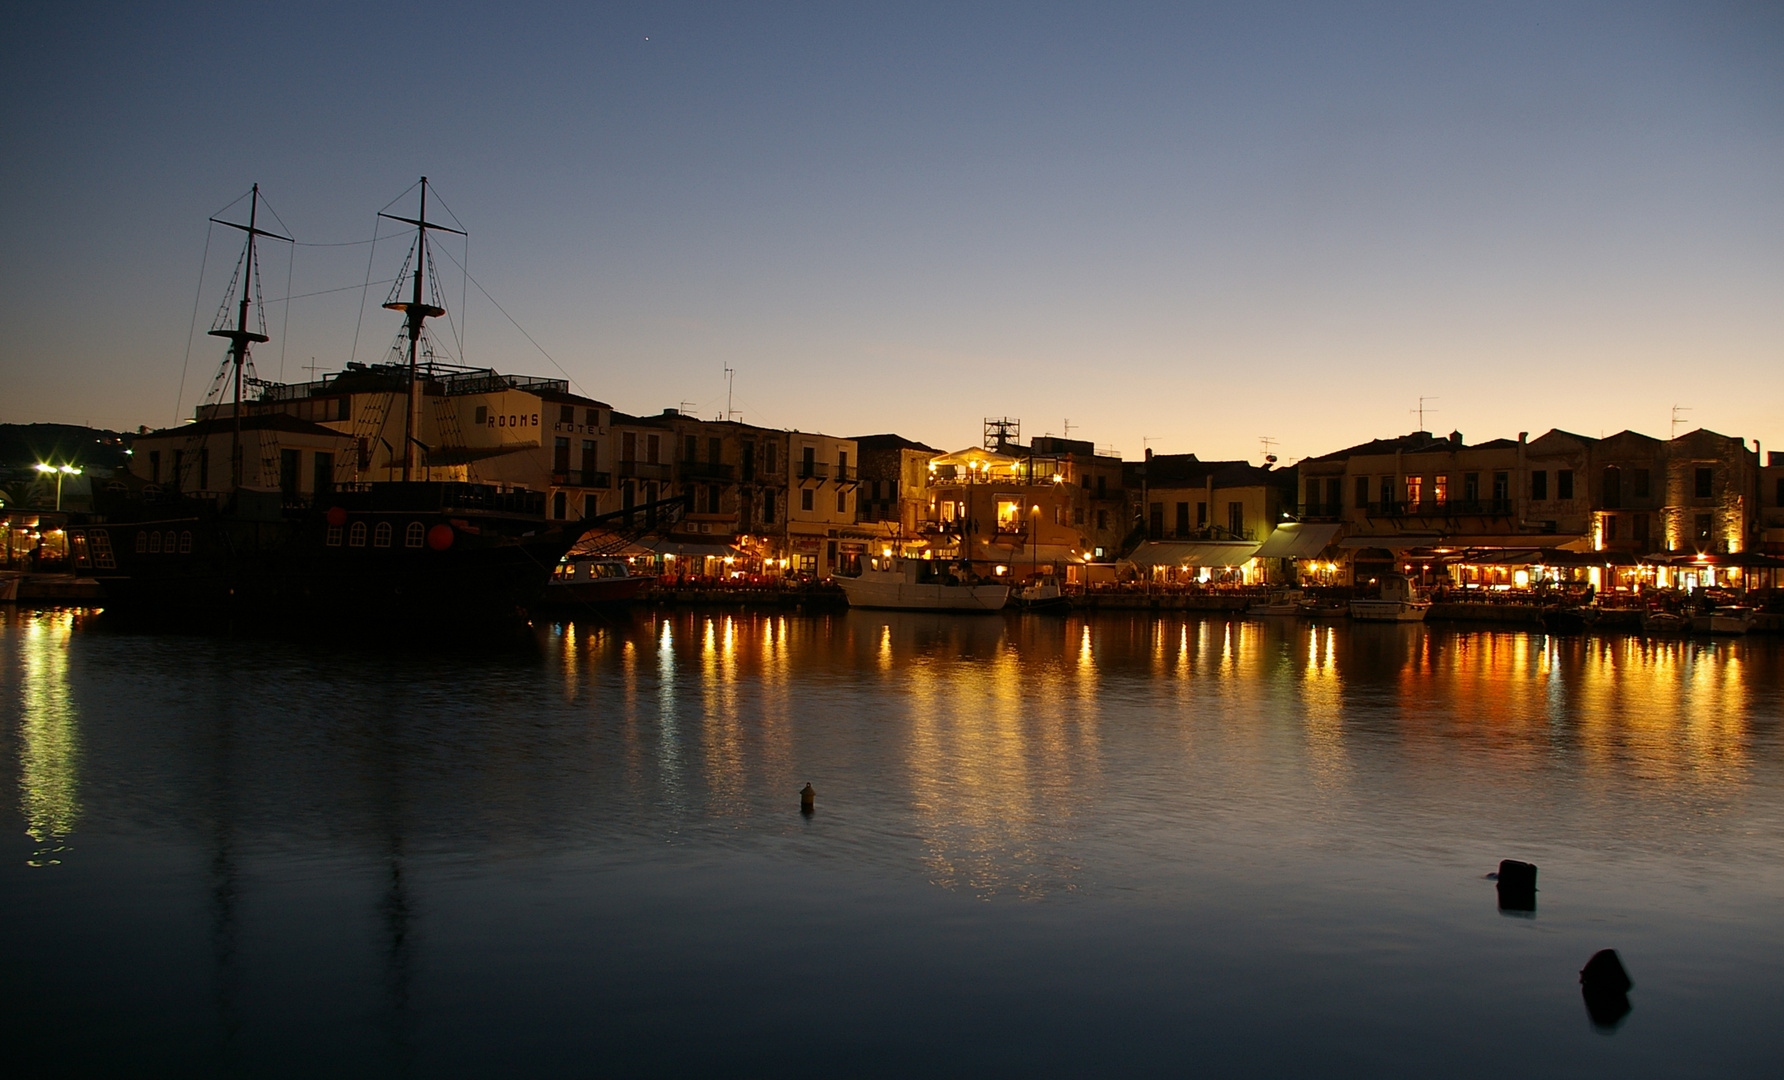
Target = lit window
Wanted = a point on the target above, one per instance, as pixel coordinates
(334, 536)
(414, 535)
(356, 535)
(381, 535)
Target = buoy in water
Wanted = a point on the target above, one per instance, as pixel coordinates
(1517, 886)
(807, 799)
(1605, 986)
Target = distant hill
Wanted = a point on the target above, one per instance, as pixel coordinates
(24, 445)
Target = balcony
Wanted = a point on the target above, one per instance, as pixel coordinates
(845, 474)
(1447, 508)
(707, 471)
(814, 470)
(585, 478)
(645, 470)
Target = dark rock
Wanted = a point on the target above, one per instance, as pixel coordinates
(1605, 972)
(807, 799)
(1516, 874)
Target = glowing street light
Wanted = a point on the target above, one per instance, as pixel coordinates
(60, 471)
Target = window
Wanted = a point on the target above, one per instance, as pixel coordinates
(808, 456)
(185, 543)
(842, 502)
(356, 536)
(1501, 488)
(381, 535)
(1704, 483)
(1084, 478)
(414, 535)
(768, 505)
(1780, 491)
(1236, 518)
(591, 458)
(142, 542)
(1182, 519)
(1610, 528)
(1641, 483)
(482, 416)
(290, 462)
(768, 457)
(1155, 523)
(1078, 516)
(1102, 519)
(102, 550)
(1387, 490)
(1539, 485)
(334, 536)
(712, 498)
(1471, 487)
(560, 504)
(1415, 490)
(1102, 487)
(178, 479)
(805, 498)
(322, 480)
(1564, 484)
(1641, 530)
(1201, 515)
(1334, 496)
(1613, 487)
(1440, 489)
(691, 449)
(715, 450)
(154, 543)
(1313, 490)
(171, 543)
(1362, 491)
(628, 446)
(560, 455)
(588, 506)
(154, 466)
(567, 415)
(653, 449)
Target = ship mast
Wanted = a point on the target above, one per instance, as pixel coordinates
(415, 312)
(241, 337)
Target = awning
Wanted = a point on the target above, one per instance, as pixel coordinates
(1048, 554)
(1193, 553)
(683, 550)
(1297, 541)
(1749, 559)
(1391, 543)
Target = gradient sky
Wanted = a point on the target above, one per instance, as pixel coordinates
(1185, 225)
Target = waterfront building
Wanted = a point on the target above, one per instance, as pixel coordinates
(1007, 512)
(894, 494)
(1204, 521)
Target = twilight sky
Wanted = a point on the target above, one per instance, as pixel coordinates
(1188, 225)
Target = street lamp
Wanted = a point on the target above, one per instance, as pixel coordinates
(60, 471)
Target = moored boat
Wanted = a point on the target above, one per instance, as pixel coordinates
(1400, 601)
(1726, 619)
(596, 580)
(1278, 602)
(904, 584)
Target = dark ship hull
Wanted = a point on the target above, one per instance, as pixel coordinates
(434, 556)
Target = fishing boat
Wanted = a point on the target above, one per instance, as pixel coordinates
(418, 552)
(1041, 595)
(1278, 602)
(1400, 601)
(1725, 619)
(597, 580)
(905, 584)
(1660, 621)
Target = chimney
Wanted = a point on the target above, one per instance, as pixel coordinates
(1149, 453)
(1456, 439)
(1523, 437)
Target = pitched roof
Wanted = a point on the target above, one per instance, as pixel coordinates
(251, 421)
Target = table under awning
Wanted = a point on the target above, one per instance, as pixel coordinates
(1194, 553)
(1297, 541)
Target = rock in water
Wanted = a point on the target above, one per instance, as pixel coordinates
(1605, 972)
(1514, 874)
(807, 798)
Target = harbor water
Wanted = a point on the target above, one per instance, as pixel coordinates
(1039, 846)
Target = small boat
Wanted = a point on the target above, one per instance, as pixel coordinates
(1040, 596)
(1325, 607)
(1400, 601)
(1279, 602)
(1664, 622)
(1727, 619)
(1568, 618)
(905, 584)
(579, 579)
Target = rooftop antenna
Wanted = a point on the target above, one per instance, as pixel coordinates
(1421, 410)
(1068, 427)
(1677, 419)
(313, 367)
(730, 384)
(687, 408)
(1269, 449)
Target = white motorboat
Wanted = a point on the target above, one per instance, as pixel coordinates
(1279, 602)
(904, 584)
(1400, 601)
(1728, 619)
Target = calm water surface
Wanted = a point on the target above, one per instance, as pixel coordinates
(1042, 846)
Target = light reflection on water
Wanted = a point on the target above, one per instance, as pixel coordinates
(1203, 819)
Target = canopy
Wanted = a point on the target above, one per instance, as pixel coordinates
(683, 550)
(1297, 541)
(1390, 543)
(1194, 553)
